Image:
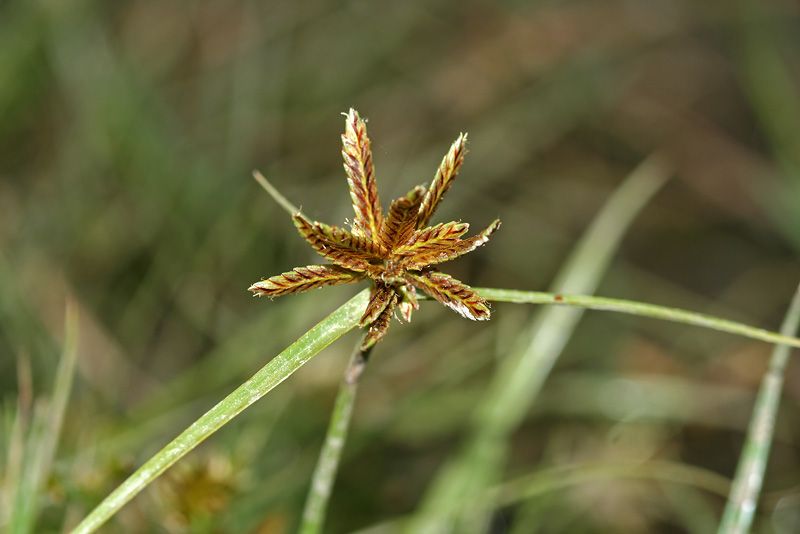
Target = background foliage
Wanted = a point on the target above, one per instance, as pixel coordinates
(128, 131)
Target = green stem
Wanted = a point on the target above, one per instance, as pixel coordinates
(275, 194)
(330, 329)
(328, 463)
(738, 515)
(639, 308)
(272, 374)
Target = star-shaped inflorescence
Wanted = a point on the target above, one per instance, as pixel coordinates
(397, 250)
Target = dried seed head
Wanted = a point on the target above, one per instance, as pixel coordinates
(396, 251)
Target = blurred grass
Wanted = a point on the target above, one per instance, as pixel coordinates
(535, 350)
(746, 488)
(35, 434)
(128, 132)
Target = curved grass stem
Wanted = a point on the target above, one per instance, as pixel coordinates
(272, 374)
(324, 333)
(642, 309)
(328, 463)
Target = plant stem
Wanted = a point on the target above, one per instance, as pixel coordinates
(328, 463)
(276, 371)
(275, 194)
(330, 329)
(639, 308)
(738, 515)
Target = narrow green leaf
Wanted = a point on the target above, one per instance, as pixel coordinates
(45, 431)
(272, 374)
(741, 507)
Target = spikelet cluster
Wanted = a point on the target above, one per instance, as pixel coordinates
(397, 250)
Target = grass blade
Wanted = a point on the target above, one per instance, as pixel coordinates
(43, 438)
(276, 371)
(738, 515)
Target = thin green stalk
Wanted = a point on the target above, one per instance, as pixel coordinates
(272, 374)
(642, 309)
(322, 481)
(275, 194)
(45, 432)
(741, 507)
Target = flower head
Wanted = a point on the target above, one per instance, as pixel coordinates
(397, 250)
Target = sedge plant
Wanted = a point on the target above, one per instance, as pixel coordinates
(399, 252)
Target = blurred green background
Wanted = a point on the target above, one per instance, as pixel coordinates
(128, 133)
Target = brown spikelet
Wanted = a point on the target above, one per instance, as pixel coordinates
(402, 219)
(447, 171)
(432, 238)
(379, 326)
(361, 176)
(303, 279)
(452, 293)
(443, 254)
(361, 246)
(380, 299)
(334, 244)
